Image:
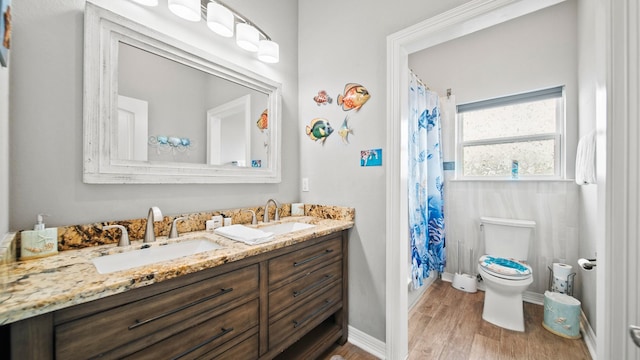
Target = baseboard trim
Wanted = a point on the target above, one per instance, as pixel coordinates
(367, 343)
(588, 334)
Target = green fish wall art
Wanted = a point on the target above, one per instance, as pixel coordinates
(319, 129)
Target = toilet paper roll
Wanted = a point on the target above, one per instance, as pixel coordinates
(561, 270)
(559, 285)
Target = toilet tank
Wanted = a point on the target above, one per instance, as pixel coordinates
(508, 238)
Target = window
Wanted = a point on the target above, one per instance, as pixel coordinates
(524, 127)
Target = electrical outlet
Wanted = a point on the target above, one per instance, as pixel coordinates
(305, 184)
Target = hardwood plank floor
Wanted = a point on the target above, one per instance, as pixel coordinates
(446, 324)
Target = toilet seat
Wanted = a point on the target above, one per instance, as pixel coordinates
(510, 269)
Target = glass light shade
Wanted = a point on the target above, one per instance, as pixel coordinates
(269, 51)
(247, 37)
(147, 2)
(220, 19)
(186, 9)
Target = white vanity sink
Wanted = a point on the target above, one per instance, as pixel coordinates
(286, 227)
(135, 258)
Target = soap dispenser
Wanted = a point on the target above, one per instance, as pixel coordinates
(39, 242)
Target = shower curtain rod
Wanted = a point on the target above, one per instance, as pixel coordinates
(419, 80)
(449, 92)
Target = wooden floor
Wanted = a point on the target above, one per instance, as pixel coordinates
(447, 324)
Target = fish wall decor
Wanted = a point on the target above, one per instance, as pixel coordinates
(319, 129)
(263, 121)
(322, 98)
(345, 130)
(355, 95)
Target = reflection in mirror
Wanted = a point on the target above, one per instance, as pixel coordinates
(157, 110)
(181, 103)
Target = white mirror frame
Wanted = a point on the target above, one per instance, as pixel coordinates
(103, 32)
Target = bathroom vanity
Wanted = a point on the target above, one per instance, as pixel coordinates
(287, 299)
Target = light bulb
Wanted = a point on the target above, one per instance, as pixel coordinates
(147, 2)
(186, 9)
(220, 19)
(269, 51)
(247, 37)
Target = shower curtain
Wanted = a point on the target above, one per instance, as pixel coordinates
(425, 183)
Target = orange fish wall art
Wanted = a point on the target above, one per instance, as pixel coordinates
(263, 121)
(355, 95)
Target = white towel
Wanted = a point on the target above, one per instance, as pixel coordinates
(245, 234)
(586, 159)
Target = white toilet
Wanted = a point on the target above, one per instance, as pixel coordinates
(504, 270)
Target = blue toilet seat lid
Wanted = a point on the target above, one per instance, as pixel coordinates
(505, 267)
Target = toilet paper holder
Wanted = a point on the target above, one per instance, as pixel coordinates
(569, 282)
(587, 264)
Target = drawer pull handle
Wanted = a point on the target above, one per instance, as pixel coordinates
(216, 336)
(316, 312)
(328, 251)
(144, 322)
(312, 286)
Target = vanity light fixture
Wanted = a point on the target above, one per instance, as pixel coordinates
(186, 9)
(248, 35)
(221, 19)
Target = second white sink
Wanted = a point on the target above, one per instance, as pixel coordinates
(286, 227)
(135, 258)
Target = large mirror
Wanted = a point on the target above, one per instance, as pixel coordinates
(158, 111)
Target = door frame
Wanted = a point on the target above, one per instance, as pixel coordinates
(618, 134)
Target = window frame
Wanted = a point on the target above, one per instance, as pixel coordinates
(530, 96)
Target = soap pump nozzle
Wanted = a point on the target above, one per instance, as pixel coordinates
(39, 222)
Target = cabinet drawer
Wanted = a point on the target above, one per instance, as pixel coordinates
(204, 337)
(299, 261)
(296, 323)
(243, 349)
(163, 315)
(295, 292)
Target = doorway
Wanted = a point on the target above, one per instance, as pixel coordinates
(458, 22)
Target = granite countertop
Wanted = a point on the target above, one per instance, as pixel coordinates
(69, 278)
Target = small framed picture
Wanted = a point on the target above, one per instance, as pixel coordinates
(5, 31)
(371, 157)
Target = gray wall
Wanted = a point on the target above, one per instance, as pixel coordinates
(342, 42)
(532, 52)
(46, 116)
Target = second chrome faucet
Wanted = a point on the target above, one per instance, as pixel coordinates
(266, 210)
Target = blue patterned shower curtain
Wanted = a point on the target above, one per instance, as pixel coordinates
(426, 180)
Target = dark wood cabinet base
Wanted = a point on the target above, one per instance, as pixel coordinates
(291, 303)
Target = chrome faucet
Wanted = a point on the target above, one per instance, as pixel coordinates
(266, 210)
(173, 233)
(124, 237)
(154, 215)
(254, 221)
